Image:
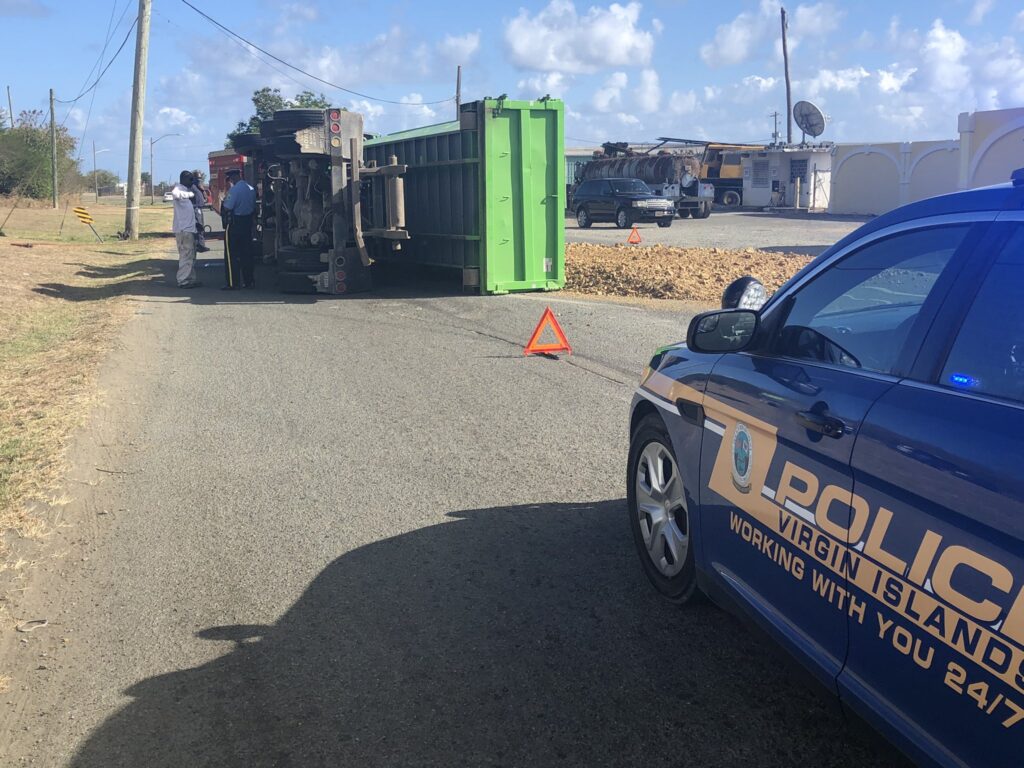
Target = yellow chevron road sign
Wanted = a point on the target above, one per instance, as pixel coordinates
(86, 218)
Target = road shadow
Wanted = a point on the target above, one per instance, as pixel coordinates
(155, 277)
(510, 636)
(800, 215)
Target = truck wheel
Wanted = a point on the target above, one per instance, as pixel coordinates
(732, 198)
(622, 219)
(684, 212)
(702, 211)
(665, 223)
(583, 217)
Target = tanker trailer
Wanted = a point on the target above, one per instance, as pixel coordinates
(675, 175)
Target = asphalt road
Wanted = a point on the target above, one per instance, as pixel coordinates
(806, 233)
(369, 532)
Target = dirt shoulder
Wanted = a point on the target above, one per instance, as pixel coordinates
(696, 275)
(63, 303)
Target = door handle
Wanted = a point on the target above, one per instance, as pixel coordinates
(821, 422)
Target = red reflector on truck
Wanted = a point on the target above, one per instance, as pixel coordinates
(335, 128)
(335, 114)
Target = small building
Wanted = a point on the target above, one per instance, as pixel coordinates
(772, 176)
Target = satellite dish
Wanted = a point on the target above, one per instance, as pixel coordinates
(809, 118)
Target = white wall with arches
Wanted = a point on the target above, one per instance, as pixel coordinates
(875, 178)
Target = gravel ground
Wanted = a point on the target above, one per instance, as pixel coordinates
(370, 532)
(807, 234)
(662, 272)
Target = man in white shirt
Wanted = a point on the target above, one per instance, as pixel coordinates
(184, 227)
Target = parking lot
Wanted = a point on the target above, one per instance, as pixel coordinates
(805, 233)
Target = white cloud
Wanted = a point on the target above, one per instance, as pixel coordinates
(738, 40)
(979, 11)
(558, 39)
(459, 49)
(734, 42)
(175, 119)
(368, 110)
(648, 93)
(848, 79)
(299, 12)
(943, 55)
(711, 92)
(627, 119)
(554, 83)
(894, 79)
(1018, 23)
(808, 21)
(609, 96)
(758, 83)
(682, 102)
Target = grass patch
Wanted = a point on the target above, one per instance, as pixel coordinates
(62, 303)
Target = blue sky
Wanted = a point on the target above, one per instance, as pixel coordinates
(881, 71)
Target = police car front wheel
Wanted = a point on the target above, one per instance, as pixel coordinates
(658, 512)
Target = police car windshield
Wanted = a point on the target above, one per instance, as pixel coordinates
(631, 187)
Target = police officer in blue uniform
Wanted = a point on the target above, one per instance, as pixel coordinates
(236, 215)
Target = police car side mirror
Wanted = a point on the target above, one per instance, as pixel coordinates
(725, 330)
(744, 293)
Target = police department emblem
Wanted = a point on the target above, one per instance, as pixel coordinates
(742, 451)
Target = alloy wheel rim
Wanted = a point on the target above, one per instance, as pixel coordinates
(661, 509)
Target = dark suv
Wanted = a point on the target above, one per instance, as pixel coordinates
(623, 201)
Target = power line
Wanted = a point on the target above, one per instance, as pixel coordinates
(314, 77)
(243, 47)
(100, 77)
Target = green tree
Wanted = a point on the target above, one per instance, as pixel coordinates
(25, 158)
(309, 100)
(266, 101)
(106, 178)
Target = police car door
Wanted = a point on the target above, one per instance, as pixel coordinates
(776, 483)
(939, 655)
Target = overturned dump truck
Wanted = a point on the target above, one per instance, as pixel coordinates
(481, 195)
(312, 224)
(675, 175)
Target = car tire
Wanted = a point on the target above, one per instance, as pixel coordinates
(665, 223)
(583, 217)
(732, 198)
(622, 219)
(659, 516)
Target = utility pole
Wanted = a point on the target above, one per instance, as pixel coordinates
(775, 131)
(131, 214)
(53, 151)
(10, 106)
(789, 94)
(458, 90)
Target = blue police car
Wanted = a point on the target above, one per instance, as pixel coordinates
(844, 465)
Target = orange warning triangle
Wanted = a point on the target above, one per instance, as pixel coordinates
(634, 236)
(547, 320)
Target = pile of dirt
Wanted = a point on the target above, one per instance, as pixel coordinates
(663, 272)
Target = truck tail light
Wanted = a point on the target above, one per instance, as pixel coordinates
(335, 128)
(335, 114)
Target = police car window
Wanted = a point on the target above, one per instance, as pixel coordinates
(988, 355)
(859, 312)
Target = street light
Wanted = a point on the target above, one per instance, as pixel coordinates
(95, 183)
(153, 141)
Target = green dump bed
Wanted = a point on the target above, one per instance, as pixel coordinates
(486, 193)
